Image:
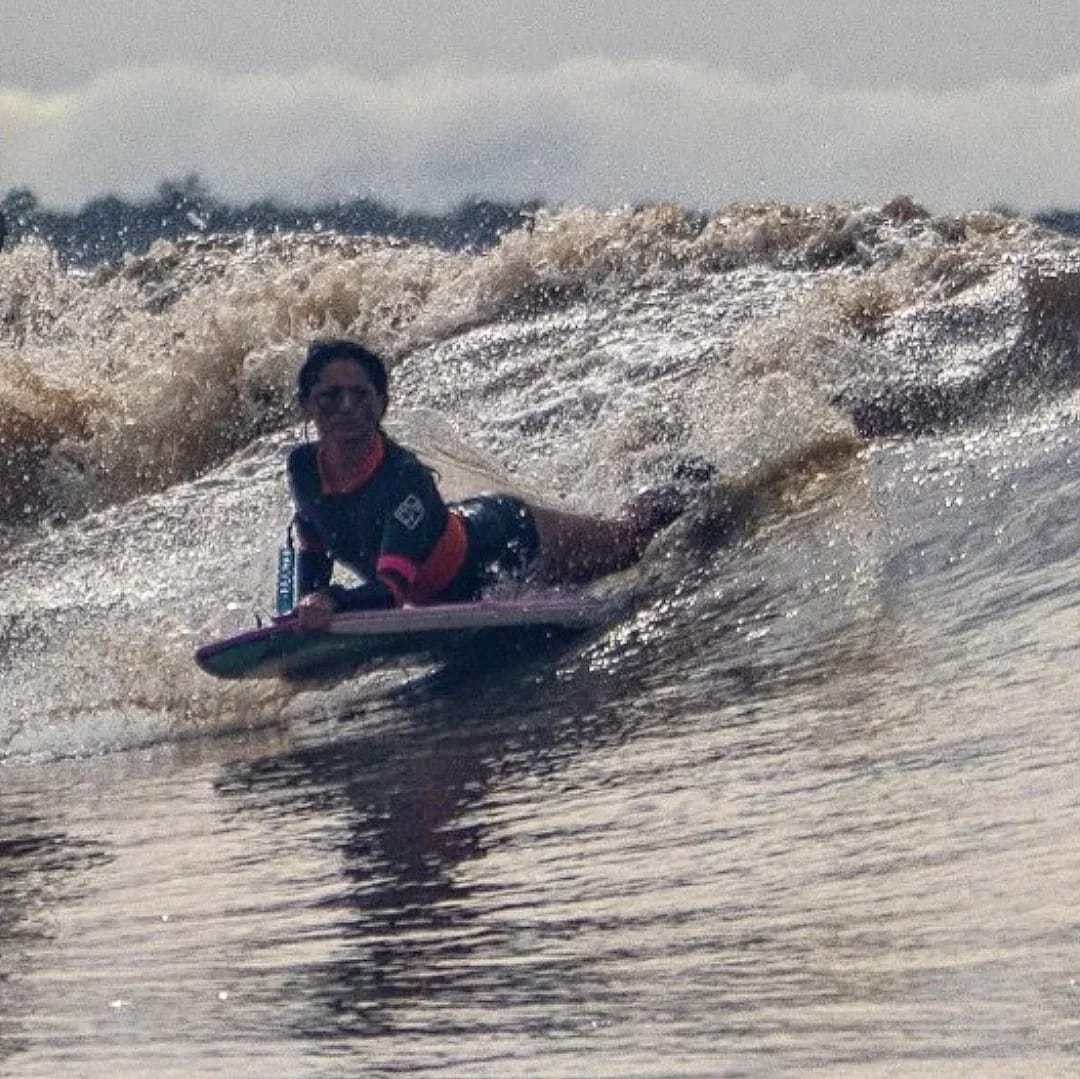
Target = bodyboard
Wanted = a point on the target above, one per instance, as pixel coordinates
(356, 639)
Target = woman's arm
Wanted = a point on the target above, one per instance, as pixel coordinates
(318, 598)
(314, 566)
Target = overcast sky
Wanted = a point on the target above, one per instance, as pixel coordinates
(960, 103)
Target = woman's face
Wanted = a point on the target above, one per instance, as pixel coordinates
(344, 404)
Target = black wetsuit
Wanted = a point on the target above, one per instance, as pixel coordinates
(391, 527)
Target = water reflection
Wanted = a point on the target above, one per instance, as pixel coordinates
(38, 866)
(409, 914)
(445, 781)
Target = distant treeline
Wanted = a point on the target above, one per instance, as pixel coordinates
(1060, 220)
(107, 228)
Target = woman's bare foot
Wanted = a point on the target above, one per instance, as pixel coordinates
(650, 510)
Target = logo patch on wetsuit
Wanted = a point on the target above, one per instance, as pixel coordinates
(410, 513)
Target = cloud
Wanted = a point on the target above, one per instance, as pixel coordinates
(587, 131)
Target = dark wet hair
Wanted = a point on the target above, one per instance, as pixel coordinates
(325, 350)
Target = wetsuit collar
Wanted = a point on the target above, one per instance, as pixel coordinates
(363, 471)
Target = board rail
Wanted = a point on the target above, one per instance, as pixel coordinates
(358, 638)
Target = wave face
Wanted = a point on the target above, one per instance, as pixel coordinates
(877, 322)
(785, 810)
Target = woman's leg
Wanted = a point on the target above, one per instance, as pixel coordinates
(575, 548)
